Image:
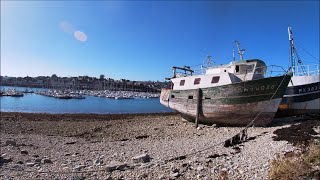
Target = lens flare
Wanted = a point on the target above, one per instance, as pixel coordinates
(80, 36)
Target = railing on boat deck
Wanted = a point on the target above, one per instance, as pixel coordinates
(274, 70)
(197, 70)
(306, 70)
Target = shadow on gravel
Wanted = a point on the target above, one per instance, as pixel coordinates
(4, 161)
(301, 132)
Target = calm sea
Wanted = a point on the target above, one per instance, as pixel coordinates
(31, 102)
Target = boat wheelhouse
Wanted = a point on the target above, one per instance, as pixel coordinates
(233, 72)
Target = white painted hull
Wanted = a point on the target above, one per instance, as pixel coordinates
(302, 96)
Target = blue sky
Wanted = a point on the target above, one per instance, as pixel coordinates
(142, 40)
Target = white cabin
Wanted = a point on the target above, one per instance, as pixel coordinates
(233, 72)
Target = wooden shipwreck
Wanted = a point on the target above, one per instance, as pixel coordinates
(235, 94)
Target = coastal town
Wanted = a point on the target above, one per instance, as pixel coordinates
(83, 82)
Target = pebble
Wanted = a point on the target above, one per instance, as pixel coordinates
(30, 164)
(98, 162)
(141, 158)
(18, 167)
(79, 167)
(161, 177)
(174, 175)
(200, 176)
(200, 168)
(115, 165)
(78, 178)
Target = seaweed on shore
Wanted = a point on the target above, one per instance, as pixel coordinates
(301, 133)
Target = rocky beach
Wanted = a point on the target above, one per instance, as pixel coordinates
(141, 146)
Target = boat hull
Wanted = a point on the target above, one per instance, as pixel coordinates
(301, 97)
(234, 104)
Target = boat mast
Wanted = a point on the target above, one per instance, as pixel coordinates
(234, 58)
(209, 60)
(292, 59)
(240, 51)
(294, 53)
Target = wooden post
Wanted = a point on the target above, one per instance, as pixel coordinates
(199, 104)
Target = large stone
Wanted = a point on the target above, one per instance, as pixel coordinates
(46, 161)
(38, 160)
(141, 158)
(20, 162)
(25, 152)
(10, 142)
(115, 165)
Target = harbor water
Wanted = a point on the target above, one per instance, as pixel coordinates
(36, 103)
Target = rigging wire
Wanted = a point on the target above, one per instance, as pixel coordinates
(309, 54)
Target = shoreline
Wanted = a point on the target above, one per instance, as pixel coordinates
(136, 146)
(89, 115)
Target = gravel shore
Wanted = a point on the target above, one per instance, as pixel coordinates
(138, 146)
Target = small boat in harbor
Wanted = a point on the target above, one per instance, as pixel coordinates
(236, 94)
(303, 92)
(28, 91)
(12, 93)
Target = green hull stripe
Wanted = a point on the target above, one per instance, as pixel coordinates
(239, 93)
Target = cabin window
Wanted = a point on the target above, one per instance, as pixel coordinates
(190, 97)
(182, 82)
(250, 68)
(237, 69)
(259, 70)
(241, 69)
(197, 81)
(215, 79)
